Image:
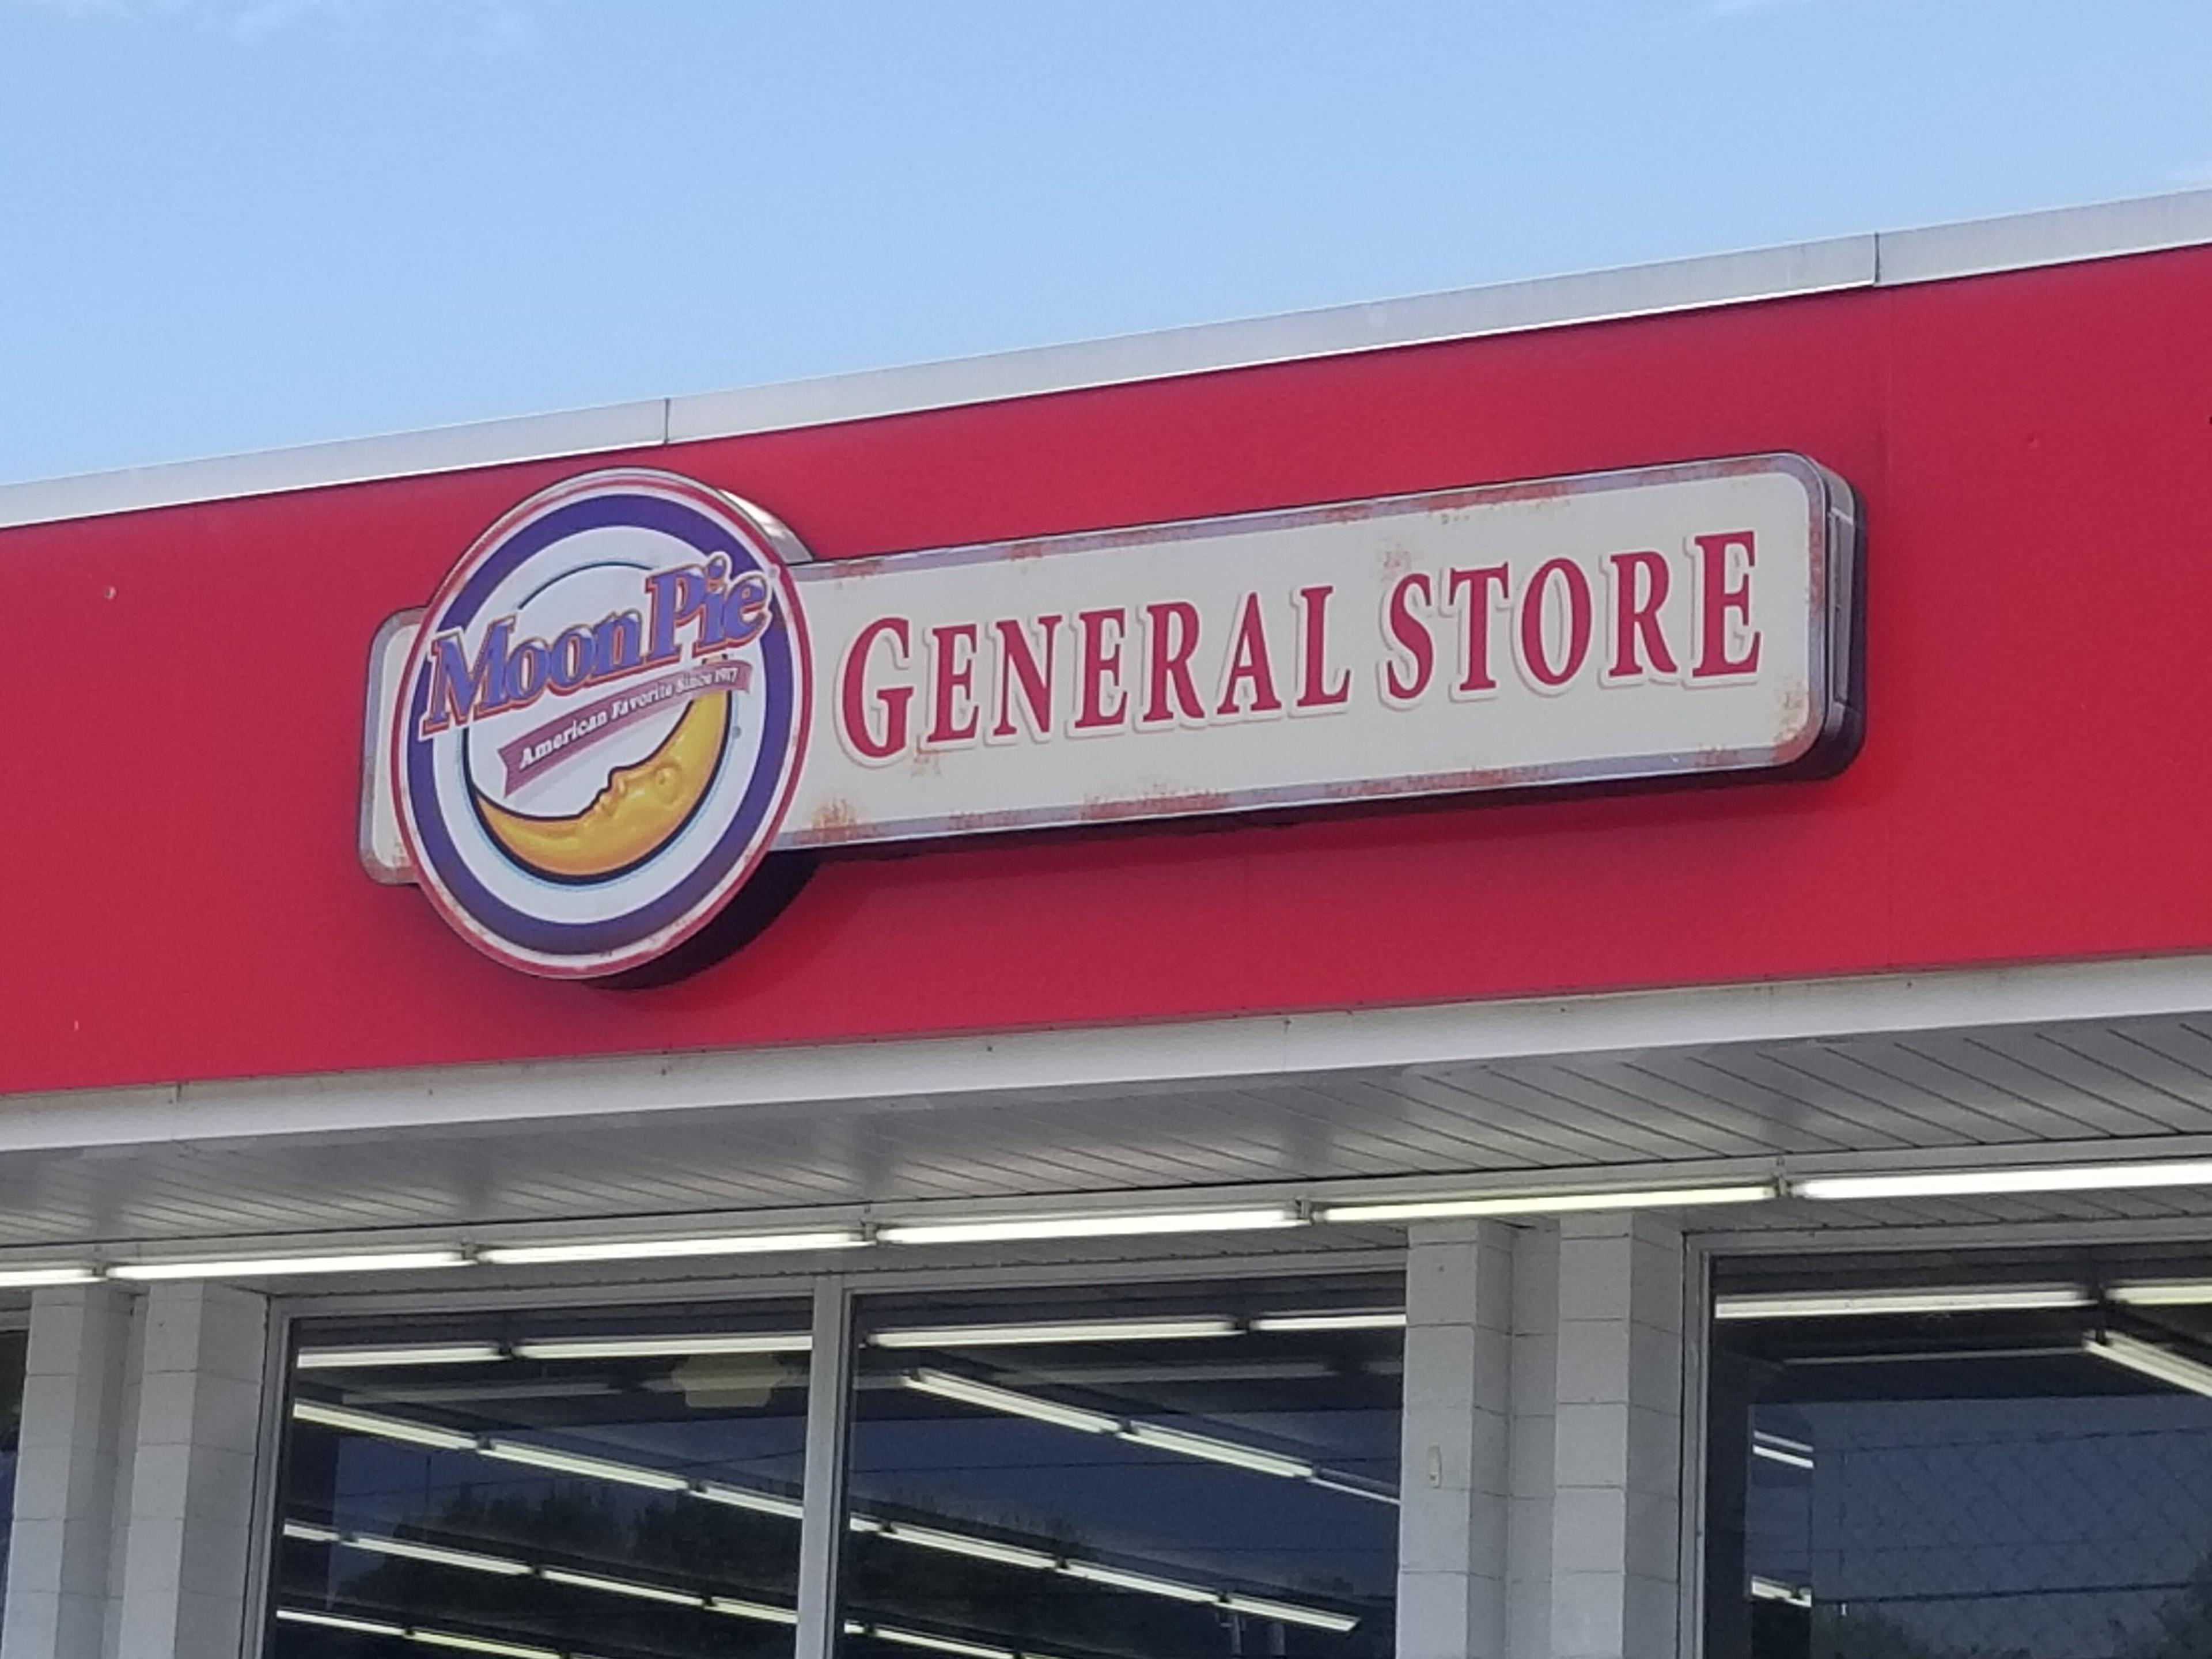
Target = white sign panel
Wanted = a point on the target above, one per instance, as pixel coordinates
(1606, 628)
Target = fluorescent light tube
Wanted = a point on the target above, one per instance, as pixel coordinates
(760, 1610)
(2046, 1178)
(1773, 1589)
(739, 1609)
(1091, 1571)
(266, 1267)
(1377, 1320)
(660, 1347)
(1344, 1483)
(1013, 1229)
(1217, 1451)
(1290, 1612)
(1944, 1299)
(744, 1497)
(2176, 1370)
(1095, 1330)
(598, 1469)
(1006, 1400)
(1780, 1449)
(498, 1565)
(621, 1587)
(914, 1638)
(447, 1638)
(387, 1428)
(658, 1249)
(32, 1278)
(2163, 1293)
(1562, 1203)
(428, 1353)
(956, 1543)
(308, 1532)
(337, 1621)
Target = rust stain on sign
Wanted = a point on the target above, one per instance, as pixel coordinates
(833, 820)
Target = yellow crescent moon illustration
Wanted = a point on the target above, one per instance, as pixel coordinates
(640, 809)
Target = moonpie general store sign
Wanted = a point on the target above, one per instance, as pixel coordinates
(634, 688)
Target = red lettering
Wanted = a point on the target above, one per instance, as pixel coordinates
(1313, 635)
(1410, 634)
(1535, 653)
(1639, 589)
(952, 683)
(1017, 662)
(1474, 591)
(1249, 667)
(1721, 602)
(1173, 631)
(1101, 670)
(855, 696)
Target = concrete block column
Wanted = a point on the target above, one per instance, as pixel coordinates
(1455, 1487)
(77, 1389)
(189, 1539)
(1530, 1471)
(1617, 1498)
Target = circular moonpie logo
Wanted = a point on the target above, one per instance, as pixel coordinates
(602, 720)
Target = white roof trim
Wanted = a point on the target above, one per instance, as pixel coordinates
(1244, 1047)
(2021, 241)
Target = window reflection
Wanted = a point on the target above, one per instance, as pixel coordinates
(627, 1488)
(2019, 1467)
(1205, 1470)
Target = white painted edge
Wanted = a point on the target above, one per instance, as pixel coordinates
(1247, 1049)
(1336, 331)
(2023, 241)
(352, 460)
(1979, 247)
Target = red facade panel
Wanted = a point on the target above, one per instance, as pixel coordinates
(182, 694)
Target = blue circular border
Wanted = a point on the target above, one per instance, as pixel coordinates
(622, 505)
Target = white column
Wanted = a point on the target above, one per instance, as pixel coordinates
(189, 1541)
(1454, 1485)
(1535, 1389)
(1617, 1456)
(66, 1473)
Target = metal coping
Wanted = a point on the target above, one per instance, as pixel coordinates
(1884, 259)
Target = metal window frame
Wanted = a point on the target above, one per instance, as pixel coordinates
(268, 1469)
(1696, 1403)
(832, 1295)
(16, 1318)
(828, 1435)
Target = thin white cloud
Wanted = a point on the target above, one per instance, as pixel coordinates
(260, 17)
(68, 7)
(497, 22)
(1744, 8)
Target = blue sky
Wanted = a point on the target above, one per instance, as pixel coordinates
(231, 224)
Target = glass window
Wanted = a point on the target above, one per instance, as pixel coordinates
(1948, 1459)
(626, 1488)
(1149, 1473)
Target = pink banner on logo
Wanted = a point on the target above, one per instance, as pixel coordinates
(535, 749)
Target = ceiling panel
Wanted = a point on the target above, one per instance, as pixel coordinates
(2092, 1087)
